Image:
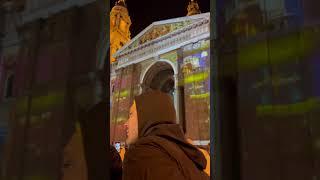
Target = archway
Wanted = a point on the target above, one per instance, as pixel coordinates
(165, 70)
(160, 76)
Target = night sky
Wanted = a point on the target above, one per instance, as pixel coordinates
(144, 12)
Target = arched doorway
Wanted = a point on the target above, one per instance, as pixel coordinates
(160, 76)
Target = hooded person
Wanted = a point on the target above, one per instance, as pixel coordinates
(158, 149)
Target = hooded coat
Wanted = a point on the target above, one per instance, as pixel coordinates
(161, 151)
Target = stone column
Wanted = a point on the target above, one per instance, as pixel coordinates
(176, 96)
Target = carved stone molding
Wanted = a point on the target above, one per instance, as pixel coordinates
(152, 49)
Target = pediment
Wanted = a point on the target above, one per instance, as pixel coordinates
(159, 29)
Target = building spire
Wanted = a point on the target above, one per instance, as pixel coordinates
(193, 8)
(121, 3)
(120, 23)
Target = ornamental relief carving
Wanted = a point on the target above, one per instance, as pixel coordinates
(182, 37)
(155, 33)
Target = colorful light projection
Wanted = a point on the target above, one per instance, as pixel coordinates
(195, 69)
(276, 77)
(123, 94)
(171, 56)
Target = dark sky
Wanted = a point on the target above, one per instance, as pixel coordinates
(144, 12)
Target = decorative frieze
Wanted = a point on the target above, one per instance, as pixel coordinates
(152, 49)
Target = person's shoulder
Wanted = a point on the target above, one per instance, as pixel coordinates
(205, 152)
(145, 148)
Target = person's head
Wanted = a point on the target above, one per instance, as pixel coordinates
(132, 125)
(149, 109)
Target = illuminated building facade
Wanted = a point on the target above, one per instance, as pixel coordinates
(172, 56)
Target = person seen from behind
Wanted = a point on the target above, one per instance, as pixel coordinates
(158, 149)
